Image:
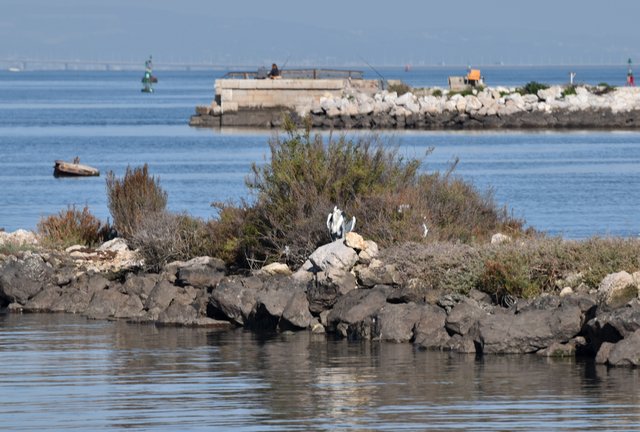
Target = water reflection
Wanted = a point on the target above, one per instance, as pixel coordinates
(64, 372)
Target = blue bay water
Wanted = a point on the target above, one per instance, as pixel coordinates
(574, 184)
(63, 372)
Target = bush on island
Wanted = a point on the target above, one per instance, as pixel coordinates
(532, 87)
(72, 227)
(133, 198)
(368, 178)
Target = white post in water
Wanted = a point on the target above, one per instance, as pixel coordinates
(572, 75)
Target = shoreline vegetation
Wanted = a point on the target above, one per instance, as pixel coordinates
(435, 262)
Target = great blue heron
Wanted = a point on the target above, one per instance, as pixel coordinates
(337, 225)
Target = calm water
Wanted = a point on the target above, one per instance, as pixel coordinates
(573, 184)
(61, 372)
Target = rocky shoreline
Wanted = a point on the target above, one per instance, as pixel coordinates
(434, 109)
(344, 290)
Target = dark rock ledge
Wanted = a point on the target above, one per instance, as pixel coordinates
(342, 290)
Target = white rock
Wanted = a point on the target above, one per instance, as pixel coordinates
(350, 109)
(398, 111)
(333, 112)
(566, 291)
(582, 91)
(516, 99)
(74, 248)
(551, 93)
(472, 103)
(499, 238)
(390, 97)
(275, 269)
(508, 109)
(369, 252)
(355, 241)
(450, 105)
(18, 238)
(115, 245)
(365, 108)
(335, 255)
(461, 105)
(328, 103)
(617, 289)
(405, 99)
(413, 107)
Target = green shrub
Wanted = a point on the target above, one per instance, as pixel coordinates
(603, 88)
(133, 198)
(400, 88)
(531, 87)
(597, 257)
(390, 198)
(569, 90)
(529, 268)
(71, 227)
(436, 93)
(524, 268)
(234, 237)
(466, 92)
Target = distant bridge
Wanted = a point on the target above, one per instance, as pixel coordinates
(66, 64)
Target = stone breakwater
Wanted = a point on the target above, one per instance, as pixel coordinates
(490, 108)
(343, 289)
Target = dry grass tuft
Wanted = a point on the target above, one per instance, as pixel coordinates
(71, 227)
(133, 198)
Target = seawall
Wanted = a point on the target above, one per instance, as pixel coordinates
(361, 104)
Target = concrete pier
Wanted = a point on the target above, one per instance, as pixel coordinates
(264, 102)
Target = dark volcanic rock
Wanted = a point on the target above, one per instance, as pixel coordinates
(139, 285)
(328, 287)
(612, 326)
(296, 313)
(429, 332)
(461, 344)
(626, 352)
(75, 297)
(201, 272)
(271, 302)
(235, 299)
(352, 314)
(178, 314)
(21, 279)
(526, 332)
(396, 322)
(160, 297)
(71, 300)
(44, 300)
(463, 316)
(106, 303)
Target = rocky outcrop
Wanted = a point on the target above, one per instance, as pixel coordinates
(342, 289)
(527, 332)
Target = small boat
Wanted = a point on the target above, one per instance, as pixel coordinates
(73, 169)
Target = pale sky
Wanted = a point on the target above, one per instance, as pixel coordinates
(329, 32)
